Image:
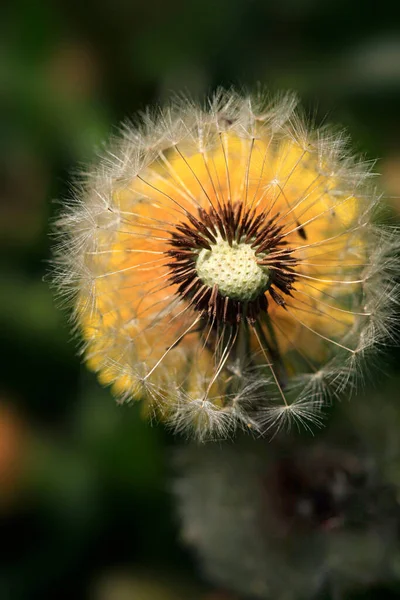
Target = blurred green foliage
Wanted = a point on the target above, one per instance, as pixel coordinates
(84, 504)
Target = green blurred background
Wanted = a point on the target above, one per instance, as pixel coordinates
(85, 510)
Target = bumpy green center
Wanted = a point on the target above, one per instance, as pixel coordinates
(234, 269)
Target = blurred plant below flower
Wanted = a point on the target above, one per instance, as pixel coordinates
(296, 518)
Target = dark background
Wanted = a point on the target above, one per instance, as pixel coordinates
(84, 504)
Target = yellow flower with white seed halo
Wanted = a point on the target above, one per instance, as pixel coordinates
(224, 267)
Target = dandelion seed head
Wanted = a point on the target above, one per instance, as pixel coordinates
(210, 242)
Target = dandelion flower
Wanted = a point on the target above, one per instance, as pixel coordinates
(224, 267)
